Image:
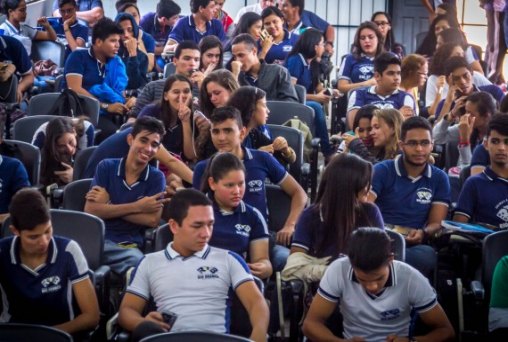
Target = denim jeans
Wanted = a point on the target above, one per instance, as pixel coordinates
(119, 258)
(321, 129)
(423, 258)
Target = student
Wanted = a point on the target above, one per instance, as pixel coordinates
(456, 35)
(193, 273)
(384, 23)
(227, 135)
(15, 10)
(413, 76)
(223, 17)
(276, 47)
(45, 273)
(67, 28)
(440, 23)
(252, 24)
(199, 24)
(377, 295)
(90, 11)
(216, 90)
(484, 197)
(99, 73)
(357, 68)
(238, 227)
(128, 195)
(257, 8)
(212, 55)
(423, 189)
(272, 78)
(386, 93)
(12, 52)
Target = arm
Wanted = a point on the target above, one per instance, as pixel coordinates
(73, 43)
(26, 82)
(476, 66)
(92, 16)
(130, 313)
(48, 33)
(314, 326)
(75, 82)
(87, 301)
(345, 86)
(256, 307)
(436, 319)
(260, 265)
(438, 213)
(298, 201)
(175, 165)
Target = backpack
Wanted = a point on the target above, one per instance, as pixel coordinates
(68, 104)
(307, 136)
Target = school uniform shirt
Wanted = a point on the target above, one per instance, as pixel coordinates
(42, 295)
(110, 174)
(493, 90)
(197, 288)
(484, 199)
(150, 25)
(25, 34)
(368, 96)
(309, 19)
(260, 166)
(374, 317)
(82, 62)
(235, 230)
(356, 70)
(185, 29)
(480, 156)
(279, 51)
(13, 176)
(12, 51)
(393, 187)
(83, 5)
(78, 31)
(299, 68)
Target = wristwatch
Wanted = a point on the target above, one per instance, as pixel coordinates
(104, 106)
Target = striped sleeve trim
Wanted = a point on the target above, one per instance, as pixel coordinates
(427, 306)
(443, 203)
(73, 74)
(283, 178)
(77, 280)
(299, 245)
(327, 296)
(462, 213)
(241, 282)
(137, 294)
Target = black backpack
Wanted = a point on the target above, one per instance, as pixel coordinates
(68, 104)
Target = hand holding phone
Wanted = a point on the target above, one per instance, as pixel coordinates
(169, 318)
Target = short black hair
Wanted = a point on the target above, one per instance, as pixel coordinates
(246, 39)
(365, 112)
(414, 122)
(186, 44)
(104, 28)
(498, 123)
(300, 4)
(196, 4)
(179, 205)
(485, 103)
(167, 9)
(65, 2)
(385, 59)
(28, 209)
(454, 63)
(150, 124)
(369, 249)
(225, 113)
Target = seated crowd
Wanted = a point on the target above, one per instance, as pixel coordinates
(205, 125)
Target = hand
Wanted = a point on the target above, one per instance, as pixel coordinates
(169, 49)
(65, 175)
(19, 95)
(211, 67)
(117, 108)
(406, 112)
(258, 269)
(131, 45)
(347, 137)
(395, 338)
(280, 144)
(202, 123)
(284, 235)
(322, 98)
(267, 148)
(329, 49)
(150, 204)
(415, 236)
(43, 21)
(267, 43)
(69, 22)
(466, 124)
(371, 82)
(97, 194)
(174, 183)
(460, 104)
(440, 83)
(184, 111)
(131, 102)
(236, 67)
(156, 317)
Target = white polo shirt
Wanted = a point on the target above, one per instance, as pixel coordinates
(374, 317)
(197, 288)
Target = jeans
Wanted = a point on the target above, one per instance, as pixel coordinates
(119, 258)
(321, 129)
(278, 257)
(423, 258)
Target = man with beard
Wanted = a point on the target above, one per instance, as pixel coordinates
(490, 204)
(412, 194)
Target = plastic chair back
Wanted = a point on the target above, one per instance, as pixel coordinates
(279, 206)
(47, 49)
(30, 156)
(80, 162)
(24, 128)
(15, 332)
(74, 194)
(295, 140)
(281, 112)
(495, 246)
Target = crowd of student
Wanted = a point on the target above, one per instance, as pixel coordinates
(205, 123)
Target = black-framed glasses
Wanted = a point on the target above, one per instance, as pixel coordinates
(416, 143)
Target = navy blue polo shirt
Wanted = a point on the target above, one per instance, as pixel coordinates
(78, 31)
(368, 96)
(235, 230)
(110, 174)
(13, 177)
(309, 19)
(185, 29)
(484, 199)
(12, 51)
(404, 200)
(44, 295)
(480, 156)
(115, 146)
(493, 90)
(279, 51)
(260, 166)
(149, 42)
(299, 68)
(150, 25)
(82, 62)
(356, 70)
(83, 5)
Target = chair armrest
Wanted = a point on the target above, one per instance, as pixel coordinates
(477, 290)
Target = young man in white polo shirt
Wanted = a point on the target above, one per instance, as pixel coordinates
(377, 296)
(191, 279)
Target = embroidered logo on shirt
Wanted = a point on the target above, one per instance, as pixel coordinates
(423, 196)
(389, 315)
(51, 284)
(502, 213)
(255, 185)
(207, 272)
(242, 229)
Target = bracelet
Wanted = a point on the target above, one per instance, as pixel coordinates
(463, 144)
(67, 30)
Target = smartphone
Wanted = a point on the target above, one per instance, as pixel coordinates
(328, 91)
(264, 33)
(169, 318)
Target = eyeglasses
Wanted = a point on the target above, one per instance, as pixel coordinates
(415, 143)
(382, 23)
